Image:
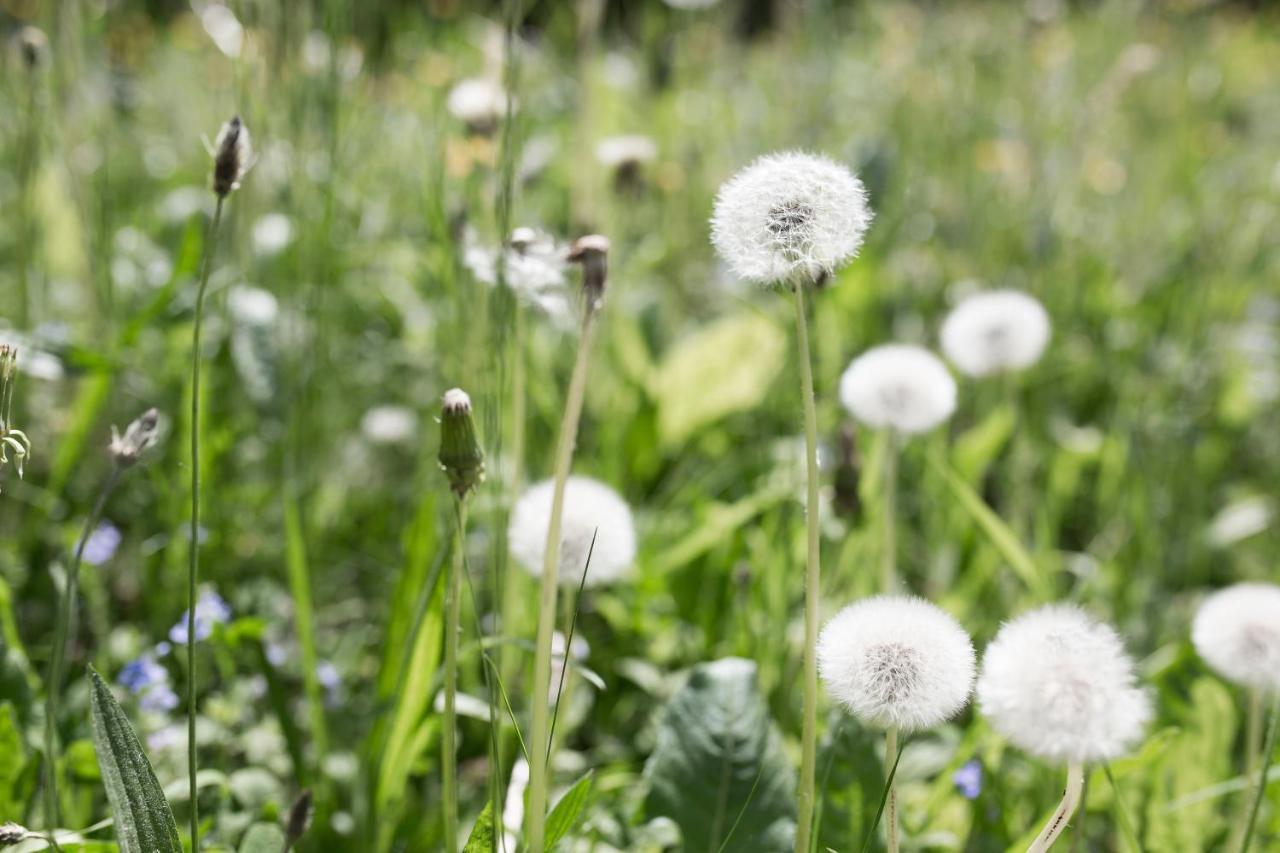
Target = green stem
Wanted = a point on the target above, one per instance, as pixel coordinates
(809, 733)
(193, 567)
(1260, 782)
(889, 540)
(58, 659)
(1070, 802)
(448, 740)
(539, 745)
(891, 799)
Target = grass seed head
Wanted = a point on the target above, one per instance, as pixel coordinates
(1059, 684)
(900, 386)
(897, 661)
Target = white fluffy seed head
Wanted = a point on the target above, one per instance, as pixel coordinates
(1058, 684)
(616, 151)
(900, 386)
(479, 103)
(791, 217)
(591, 510)
(996, 331)
(1237, 632)
(897, 661)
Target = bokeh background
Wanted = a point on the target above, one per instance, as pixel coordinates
(1117, 160)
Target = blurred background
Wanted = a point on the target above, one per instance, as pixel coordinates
(1115, 159)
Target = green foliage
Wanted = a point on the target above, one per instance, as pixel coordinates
(718, 768)
(143, 820)
(568, 810)
(263, 838)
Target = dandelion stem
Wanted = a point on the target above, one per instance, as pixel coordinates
(539, 745)
(58, 658)
(452, 616)
(1070, 802)
(193, 566)
(809, 732)
(891, 800)
(1260, 781)
(889, 541)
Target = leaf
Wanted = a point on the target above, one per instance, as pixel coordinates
(12, 760)
(715, 744)
(999, 533)
(850, 781)
(974, 451)
(565, 814)
(721, 369)
(144, 821)
(263, 838)
(481, 838)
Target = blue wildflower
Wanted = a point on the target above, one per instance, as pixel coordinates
(102, 544)
(211, 610)
(158, 698)
(968, 779)
(140, 674)
(329, 678)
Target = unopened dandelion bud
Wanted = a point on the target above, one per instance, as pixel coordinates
(522, 238)
(299, 819)
(461, 458)
(33, 44)
(232, 156)
(139, 437)
(12, 834)
(592, 252)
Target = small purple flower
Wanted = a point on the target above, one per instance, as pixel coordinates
(102, 544)
(142, 673)
(158, 698)
(329, 678)
(277, 654)
(169, 737)
(968, 779)
(211, 610)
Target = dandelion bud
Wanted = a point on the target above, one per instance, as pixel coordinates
(12, 440)
(994, 332)
(299, 818)
(592, 251)
(790, 217)
(233, 154)
(596, 522)
(1237, 632)
(33, 44)
(461, 458)
(626, 157)
(1059, 685)
(906, 388)
(897, 662)
(139, 437)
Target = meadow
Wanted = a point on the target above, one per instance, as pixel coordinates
(296, 297)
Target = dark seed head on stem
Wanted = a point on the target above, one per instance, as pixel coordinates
(592, 251)
(33, 44)
(232, 157)
(139, 437)
(299, 817)
(461, 457)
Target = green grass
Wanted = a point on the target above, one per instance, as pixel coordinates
(1116, 161)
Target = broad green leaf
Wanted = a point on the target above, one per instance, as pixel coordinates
(719, 767)
(721, 369)
(1001, 537)
(144, 821)
(978, 446)
(263, 838)
(12, 760)
(481, 838)
(850, 781)
(565, 814)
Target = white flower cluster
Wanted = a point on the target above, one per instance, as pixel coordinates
(790, 217)
(1237, 632)
(1059, 685)
(535, 269)
(904, 387)
(593, 512)
(897, 661)
(996, 331)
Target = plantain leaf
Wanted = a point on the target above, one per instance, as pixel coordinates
(718, 769)
(565, 814)
(481, 838)
(144, 821)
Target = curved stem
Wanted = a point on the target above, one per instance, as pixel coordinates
(1070, 802)
(809, 733)
(891, 801)
(1260, 782)
(889, 540)
(452, 611)
(193, 565)
(58, 658)
(539, 742)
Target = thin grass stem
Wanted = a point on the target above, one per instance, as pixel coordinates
(1260, 784)
(891, 798)
(889, 537)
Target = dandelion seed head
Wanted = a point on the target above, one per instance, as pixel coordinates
(901, 386)
(996, 331)
(1237, 632)
(479, 103)
(790, 217)
(1058, 684)
(591, 510)
(897, 661)
(618, 151)
(33, 44)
